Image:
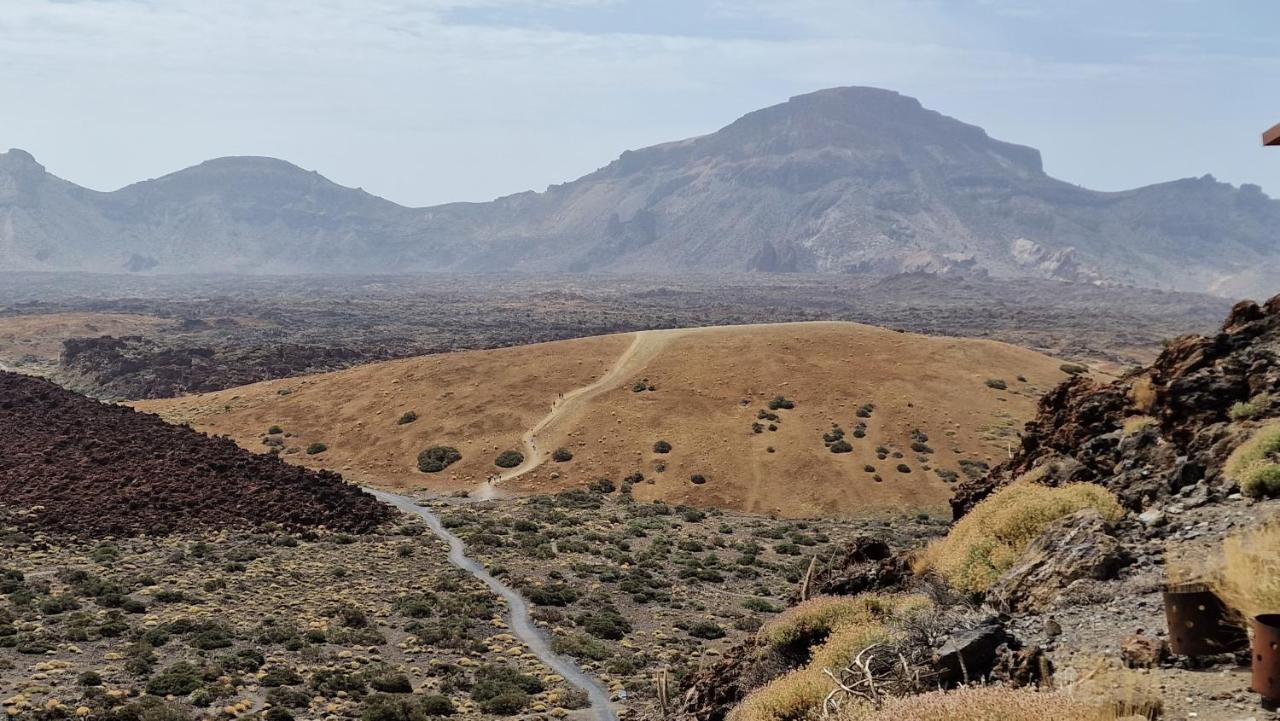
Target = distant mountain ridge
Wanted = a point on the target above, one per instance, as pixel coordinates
(841, 180)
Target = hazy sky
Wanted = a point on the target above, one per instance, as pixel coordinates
(428, 101)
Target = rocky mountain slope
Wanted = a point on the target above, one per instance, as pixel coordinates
(842, 180)
(71, 464)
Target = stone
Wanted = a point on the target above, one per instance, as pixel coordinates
(1139, 650)
(1153, 518)
(1077, 547)
(969, 654)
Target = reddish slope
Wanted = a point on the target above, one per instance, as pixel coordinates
(95, 469)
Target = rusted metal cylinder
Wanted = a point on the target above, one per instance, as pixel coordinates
(1199, 624)
(1266, 656)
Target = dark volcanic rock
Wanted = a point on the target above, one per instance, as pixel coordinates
(1188, 392)
(95, 469)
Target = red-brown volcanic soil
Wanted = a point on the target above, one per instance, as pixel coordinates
(70, 464)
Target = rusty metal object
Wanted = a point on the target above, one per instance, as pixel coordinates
(1272, 136)
(1266, 656)
(1199, 624)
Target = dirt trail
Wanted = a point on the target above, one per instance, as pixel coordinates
(518, 618)
(645, 345)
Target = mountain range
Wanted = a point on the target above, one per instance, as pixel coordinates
(845, 180)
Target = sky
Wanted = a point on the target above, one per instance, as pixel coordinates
(432, 101)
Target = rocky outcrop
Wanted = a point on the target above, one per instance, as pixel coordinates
(1157, 430)
(72, 465)
(135, 368)
(1074, 548)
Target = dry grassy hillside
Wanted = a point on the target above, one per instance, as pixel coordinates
(709, 386)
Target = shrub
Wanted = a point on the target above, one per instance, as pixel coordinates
(582, 647)
(433, 704)
(661, 447)
(180, 679)
(275, 431)
(841, 446)
(438, 458)
(823, 633)
(509, 459)
(562, 455)
(1074, 369)
(1251, 408)
(988, 540)
(316, 447)
(381, 707)
(781, 403)
(997, 383)
(759, 604)
(389, 681)
(602, 485)
(407, 418)
(706, 629)
(697, 479)
(1255, 464)
(507, 703)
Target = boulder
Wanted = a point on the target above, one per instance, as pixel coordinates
(970, 654)
(1142, 651)
(1077, 547)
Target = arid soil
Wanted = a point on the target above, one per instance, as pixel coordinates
(206, 624)
(917, 413)
(75, 465)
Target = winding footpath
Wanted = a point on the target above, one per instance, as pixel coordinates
(517, 609)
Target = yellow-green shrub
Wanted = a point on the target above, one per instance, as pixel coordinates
(818, 617)
(849, 625)
(988, 540)
(1133, 425)
(1253, 463)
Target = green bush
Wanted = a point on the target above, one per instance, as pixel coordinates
(438, 458)
(997, 383)
(841, 446)
(562, 455)
(180, 679)
(275, 431)
(697, 479)
(434, 704)
(316, 447)
(706, 629)
(781, 403)
(661, 447)
(509, 459)
(507, 703)
(407, 418)
(1074, 369)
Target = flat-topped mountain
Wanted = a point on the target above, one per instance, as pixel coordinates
(841, 180)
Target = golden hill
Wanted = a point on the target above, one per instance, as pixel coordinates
(709, 387)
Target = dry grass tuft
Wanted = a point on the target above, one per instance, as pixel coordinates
(1133, 425)
(987, 541)
(988, 704)
(817, 618)
(1142, 394)
(1255, 464)
(1248, 577)
(843, 628)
